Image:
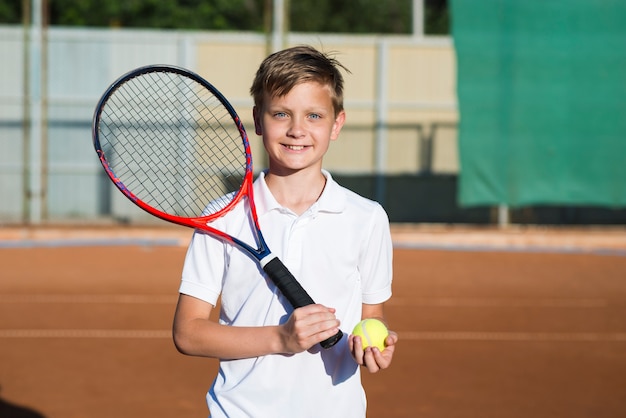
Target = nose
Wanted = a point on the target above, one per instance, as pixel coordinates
(296, 128)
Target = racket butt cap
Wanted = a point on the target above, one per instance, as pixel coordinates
(330, 342)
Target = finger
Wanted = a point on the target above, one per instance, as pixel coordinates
(351, 344)
(317, 315)
(357, 349)
(369, 360)
(313, 326)
(315, 308)
(391, 339)
(383, 359)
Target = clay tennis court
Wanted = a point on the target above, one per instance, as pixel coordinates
(520, 323)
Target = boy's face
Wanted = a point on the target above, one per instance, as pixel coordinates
(297, 128)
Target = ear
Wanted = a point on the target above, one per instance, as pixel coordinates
(340, 119)
(256, 115)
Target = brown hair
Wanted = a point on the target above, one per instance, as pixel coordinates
(283, 70)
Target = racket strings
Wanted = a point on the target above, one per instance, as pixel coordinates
(172, 142)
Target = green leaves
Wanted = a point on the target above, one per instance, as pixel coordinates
(326, 16)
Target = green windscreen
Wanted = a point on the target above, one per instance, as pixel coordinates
(542, 100)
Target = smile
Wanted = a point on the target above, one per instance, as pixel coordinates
(295, 147)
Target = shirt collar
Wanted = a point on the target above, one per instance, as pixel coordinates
(332, 200)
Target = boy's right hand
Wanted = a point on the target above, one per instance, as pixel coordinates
(308, 326)
(372, 358)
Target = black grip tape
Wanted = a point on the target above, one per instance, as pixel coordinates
(287, 284)
(293, 292)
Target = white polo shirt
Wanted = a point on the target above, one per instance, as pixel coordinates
(340, 251)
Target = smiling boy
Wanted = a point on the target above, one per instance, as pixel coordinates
(334, 241)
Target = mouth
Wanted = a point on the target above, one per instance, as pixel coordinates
(295, 147)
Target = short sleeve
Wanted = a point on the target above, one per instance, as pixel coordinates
(376, 259)
(203, 269)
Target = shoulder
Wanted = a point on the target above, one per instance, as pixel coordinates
(355, 202)
(356, 199)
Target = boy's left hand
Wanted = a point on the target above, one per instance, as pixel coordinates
(372, 358)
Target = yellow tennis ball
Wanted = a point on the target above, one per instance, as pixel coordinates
(372, 332)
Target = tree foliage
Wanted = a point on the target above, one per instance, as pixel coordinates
(331, 16)
(355, 16)
(161, 14)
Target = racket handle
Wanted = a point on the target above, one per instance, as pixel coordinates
(294, 292)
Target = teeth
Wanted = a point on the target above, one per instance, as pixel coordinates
(295, 147)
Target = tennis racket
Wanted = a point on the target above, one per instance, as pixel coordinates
(174, 146)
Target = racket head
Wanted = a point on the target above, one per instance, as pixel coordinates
(173, 145)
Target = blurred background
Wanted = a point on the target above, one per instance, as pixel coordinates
(485, 112)
(492, 131)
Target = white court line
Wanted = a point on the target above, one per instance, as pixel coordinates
(510, 247)
(85, 333)
(499, 302)
(463, 243)
(92, 242)
(65, 298)
(514, 336)
(591, 337)
(395, 301)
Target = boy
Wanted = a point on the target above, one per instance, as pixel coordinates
(336, 243)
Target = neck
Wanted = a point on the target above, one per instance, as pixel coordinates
(296, 192)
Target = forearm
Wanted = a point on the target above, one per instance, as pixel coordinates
(196, 334)
(373, 311)
(205, 338)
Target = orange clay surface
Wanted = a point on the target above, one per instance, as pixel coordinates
(514, 323)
